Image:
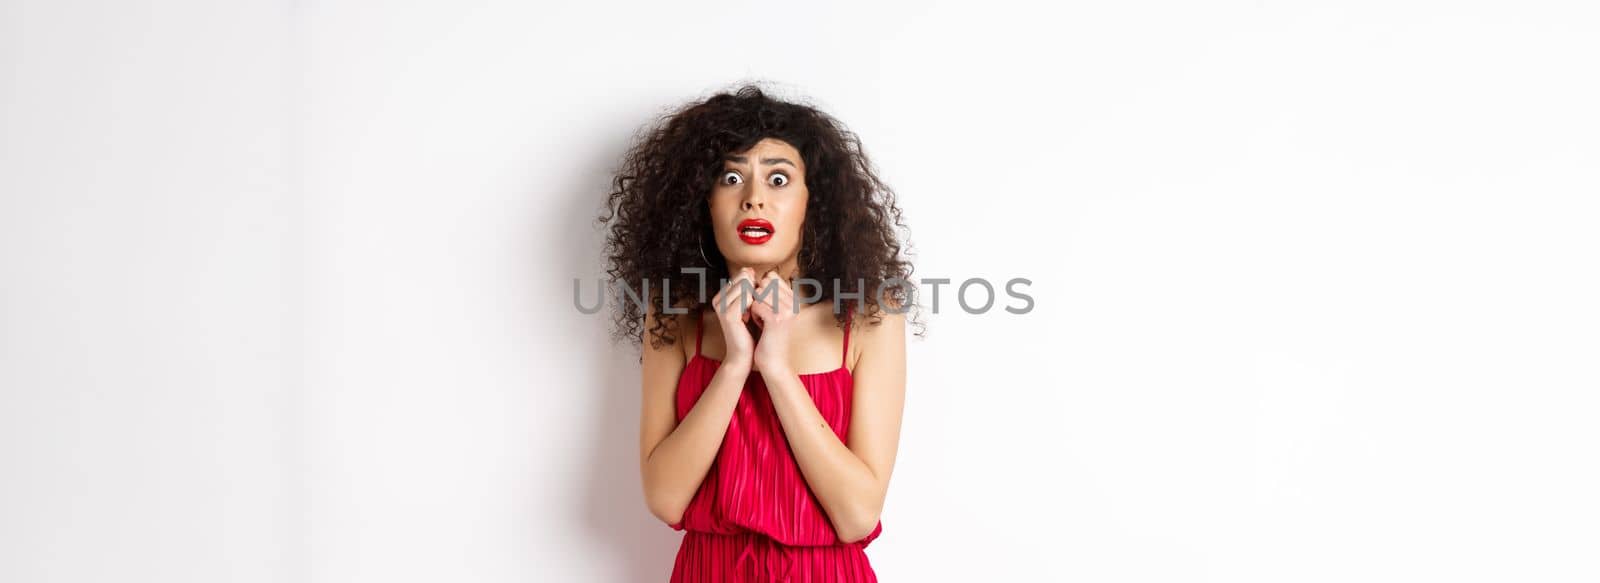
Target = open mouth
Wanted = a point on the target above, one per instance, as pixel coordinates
(755, 231)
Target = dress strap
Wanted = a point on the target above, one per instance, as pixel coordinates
(848, 320)
(699, 330)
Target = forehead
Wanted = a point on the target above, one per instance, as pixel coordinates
(769, 148)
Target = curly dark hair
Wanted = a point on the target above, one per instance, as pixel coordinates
(659, 214)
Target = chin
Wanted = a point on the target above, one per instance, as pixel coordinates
(756, 256)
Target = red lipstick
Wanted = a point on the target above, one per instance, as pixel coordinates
(755, 231)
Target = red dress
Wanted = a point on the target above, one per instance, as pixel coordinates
(754, 518)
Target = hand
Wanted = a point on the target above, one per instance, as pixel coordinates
(775, 310)
(732, 306)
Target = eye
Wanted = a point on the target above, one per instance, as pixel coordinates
(734, 176)
(779, 179)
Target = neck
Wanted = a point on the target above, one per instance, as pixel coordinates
(788, 269)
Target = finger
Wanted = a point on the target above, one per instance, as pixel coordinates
(747, 289)
(764, 282)
(728, 302)
(731, 285)
(760, 312)
(763, 297)
(728, 293)
(770, 276)
(779, 291)
(742, 288)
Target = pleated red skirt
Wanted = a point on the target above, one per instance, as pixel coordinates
(752, 557)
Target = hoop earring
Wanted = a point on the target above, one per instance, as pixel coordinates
(703, 250)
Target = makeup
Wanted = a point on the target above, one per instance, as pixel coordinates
(755, 231)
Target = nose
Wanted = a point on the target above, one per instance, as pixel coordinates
(753, 199)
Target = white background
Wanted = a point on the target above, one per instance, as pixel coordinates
(287, 285)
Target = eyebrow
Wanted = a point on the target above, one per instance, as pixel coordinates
(767, 161)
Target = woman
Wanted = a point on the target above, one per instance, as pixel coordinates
(770, 436)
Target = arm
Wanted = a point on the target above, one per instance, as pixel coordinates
(851, 478)
(675, 457)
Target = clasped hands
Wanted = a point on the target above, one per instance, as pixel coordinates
(748, 306)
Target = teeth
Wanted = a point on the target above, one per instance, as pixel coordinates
(755, 232)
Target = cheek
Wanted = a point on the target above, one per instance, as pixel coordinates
(797, 216)
(721, 208)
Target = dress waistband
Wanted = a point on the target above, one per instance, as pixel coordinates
(774, 559)
(758, 558)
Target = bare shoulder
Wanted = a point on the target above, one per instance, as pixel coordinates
(889, 315)
(878, 335)
(676, 328)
